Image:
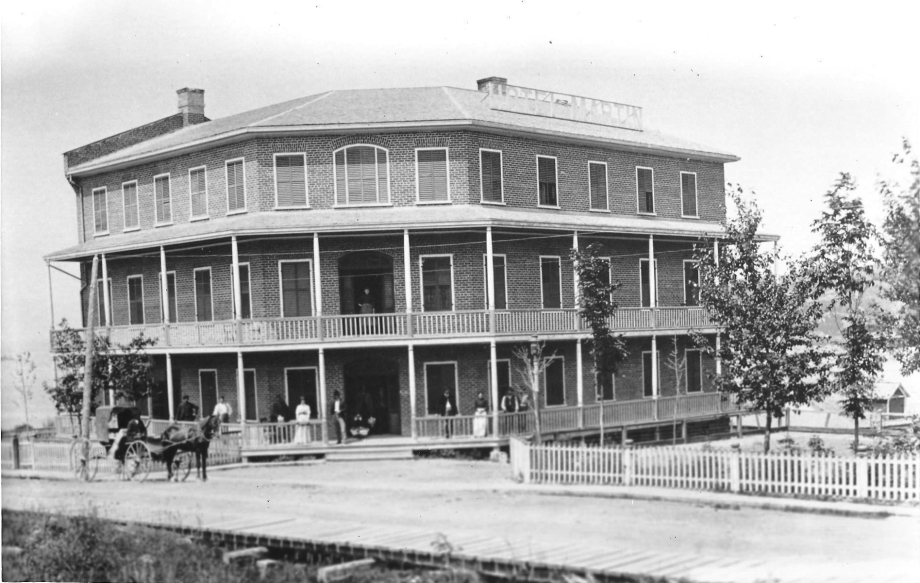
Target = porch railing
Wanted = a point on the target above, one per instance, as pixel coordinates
(288, 434)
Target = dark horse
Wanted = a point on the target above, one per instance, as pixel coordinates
(193, 439)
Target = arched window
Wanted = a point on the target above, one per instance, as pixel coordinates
(361, 176)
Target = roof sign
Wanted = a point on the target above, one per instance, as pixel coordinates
(515, 99)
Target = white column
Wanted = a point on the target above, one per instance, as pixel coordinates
(407, 266)
(580, 381)
(164, 289)
(493, 386)
(652, 274)
(490, 270)
(654, 367)
(575, 274)
(412, 389)
(170, 398)
(106, 300)
(237, 289)
(241, 387)
(321, 401)
(317, 278)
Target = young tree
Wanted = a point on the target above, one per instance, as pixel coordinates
(596, 305)
(901, 252)
(24, 373)
(677, 362)
(844, 266)
(530, 365)
(771, 355)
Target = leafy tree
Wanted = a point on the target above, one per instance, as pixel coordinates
(772, 357)
(24, 375)
(596, 305)
(901, 252)
(127, 369)
(845, 265)
(530, 365)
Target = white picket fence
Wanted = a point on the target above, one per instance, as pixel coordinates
(879, 477)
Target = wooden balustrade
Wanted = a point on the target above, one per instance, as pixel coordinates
(474, 322)
(449, 427)
(364, 325)
(535, 321)
(287, 434)
(559, 419)
(279, 330)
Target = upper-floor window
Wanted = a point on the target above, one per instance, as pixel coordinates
(103, 316)
(361, 176)
(100, 211)
(688, 207)
(499, 274)
(129, 200)
(437, 283)
(198, 192)
(135, 299)
(290, 180)
(597, 184)
(645, 190)
(245, 293)
(490, 170)
(644, 279)
(162, 199)
(236, 186)
(546, 181)
(691, 282)
(551, 280)
(204, 306)
(296, 288)
(432, 172)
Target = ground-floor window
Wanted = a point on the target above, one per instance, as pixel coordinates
(609, 386)
(440, 377)
(252, 405)
(694, 371)
(554, 381)
(207, 391)
(301, 382)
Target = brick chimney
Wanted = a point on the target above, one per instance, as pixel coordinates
(191, 106)
(483, 84)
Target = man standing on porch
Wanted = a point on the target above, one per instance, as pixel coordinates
(448, 408)
(337, 409)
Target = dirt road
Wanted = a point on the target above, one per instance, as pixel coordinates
(466, 500)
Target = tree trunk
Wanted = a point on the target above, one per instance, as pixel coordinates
(766, 433)
(599, 390)
(855, 434)
(90, 345)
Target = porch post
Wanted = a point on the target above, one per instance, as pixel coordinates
(164, 289)
(241, 388)
(106, 300)
(412, 389)
(575, 274)
(715, 252)
(493, 388)
(654, 367)
(322, 394)
(237, 293)
(490, 282)
(318, 287)
(170, 398)
(407, 272)
(580, 383)
(652, 276)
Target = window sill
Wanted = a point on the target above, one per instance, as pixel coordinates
(600, 210)
(690, 216)
(131, 230)
(201, 218)
(366, 205)
(157, 225)
(292, 208)
(547, 206)
(101, 234)
(553, 406)
(646, 214)
(492, 202)
(237, 212)
(427, 202)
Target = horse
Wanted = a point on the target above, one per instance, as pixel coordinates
(193, 439)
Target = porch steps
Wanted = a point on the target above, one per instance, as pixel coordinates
(347, 454)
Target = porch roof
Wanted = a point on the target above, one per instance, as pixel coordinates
(388, 219)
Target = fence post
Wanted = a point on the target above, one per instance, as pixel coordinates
(627, 466)
(862, 477)
(526, 453)
(734, 472)
(16, 463)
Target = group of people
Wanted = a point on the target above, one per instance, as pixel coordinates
(510, 403)
(188, 411)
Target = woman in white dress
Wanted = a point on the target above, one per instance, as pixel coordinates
(302, 415)
(481, 422)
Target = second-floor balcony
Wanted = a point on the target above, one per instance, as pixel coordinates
(349, 329)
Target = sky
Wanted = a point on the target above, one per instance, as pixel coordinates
(799, 91)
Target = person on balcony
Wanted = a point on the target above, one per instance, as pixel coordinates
(481, 423)
(187, 411)
(509, 402)
(448, 409)
(366, 302)
(337, 410)
(302, 414)
(223, 410)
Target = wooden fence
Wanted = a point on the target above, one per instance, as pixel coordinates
(880, 477)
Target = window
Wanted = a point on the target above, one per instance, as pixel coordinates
(490, 173)
(129, 199)
(236, 186)
(162, 199)
(207, 390)
(688, 194)
(554, 381)
(551, 282)
(171, 294)
(198, 192)
(646, 300)
(437, 283)
(694, 371)
(609, 386)
(103, 316)
(597, 183)
(691, 283)
(645, 190)
(252, 404)
(100, 211)
(290, 180)
(546, 181)
(204, 309)
(245, 296)
(500, 275)
(301, 382)
(296, 289)
(361, 176)
(647, 389)
(136, 300)
(432, 169)
(440, 377)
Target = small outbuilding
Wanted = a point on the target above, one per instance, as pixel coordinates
(890, 397)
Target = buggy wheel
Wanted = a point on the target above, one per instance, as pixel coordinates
(137, 461)
(182, 465)
(96, 456)
(80, 459)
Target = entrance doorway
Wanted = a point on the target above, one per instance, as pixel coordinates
(366, 283)
(372, 391)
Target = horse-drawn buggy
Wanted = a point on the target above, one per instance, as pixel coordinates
(123, 440)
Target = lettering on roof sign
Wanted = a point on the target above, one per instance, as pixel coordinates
(564, 106)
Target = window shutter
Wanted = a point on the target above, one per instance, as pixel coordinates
(688, 190)
(236, 194)
(101, 212)
(197, 186)
(291, 181)
(491, 176)
(283, 180)
(432, 175)
(340, 179)
(130, 202)
(162, 200)
(598, 186)
(368, 175)
(546, 177)
(646, 196)
(383, 193)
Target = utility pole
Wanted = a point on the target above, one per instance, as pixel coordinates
(90, 345)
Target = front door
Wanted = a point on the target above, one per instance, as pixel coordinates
(372, 391)
(301, 382)
(207, 382)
